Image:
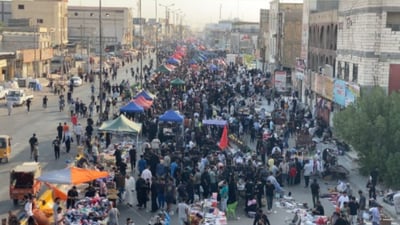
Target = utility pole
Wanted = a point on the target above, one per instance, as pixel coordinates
(101, 63)
(156, 42)
(34, 51)
(141, 44)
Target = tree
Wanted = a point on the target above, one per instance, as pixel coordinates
(372, 127)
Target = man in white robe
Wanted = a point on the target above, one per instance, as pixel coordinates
(129, 190)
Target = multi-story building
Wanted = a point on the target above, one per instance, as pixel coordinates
(5, 12)
(368, 51)
(50, 14)
(315, 69)
(217, 35)
(263, 40)
(244, 37)
(285, 29)
(33, 50)
(117, 26)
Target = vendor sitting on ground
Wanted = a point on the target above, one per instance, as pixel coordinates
(318, 210)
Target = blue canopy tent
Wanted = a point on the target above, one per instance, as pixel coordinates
(171, 116)
(131, 107)
(173, 61)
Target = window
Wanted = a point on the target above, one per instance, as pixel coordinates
(355, 73)
(346, 71)
(21, 6)
(393, 21)
(339, 70)
(39, 20)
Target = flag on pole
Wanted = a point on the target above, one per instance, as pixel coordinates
(223, 142)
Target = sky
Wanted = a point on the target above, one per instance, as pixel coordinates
(197, 13)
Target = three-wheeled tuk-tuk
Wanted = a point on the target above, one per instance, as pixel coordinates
(23, 181)
(5, 147)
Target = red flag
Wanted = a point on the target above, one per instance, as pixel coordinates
(223, 142)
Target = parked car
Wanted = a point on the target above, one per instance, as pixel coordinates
(18, 96)
(76, 81)
(3, 92)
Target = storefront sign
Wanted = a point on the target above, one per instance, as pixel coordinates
(300, 68)
(339, 92)
(319, 84)
(352, 93)
(328, 88)
(3, 63)
(280, 81)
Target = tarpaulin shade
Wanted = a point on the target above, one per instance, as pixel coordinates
(131, 107)
(121, 124)
(163, 69)
(146, 104)
(177, 81)
(71, 175)
(215, 122)
(147, 95)
(57, 193)
(171, 116)
(173, 61)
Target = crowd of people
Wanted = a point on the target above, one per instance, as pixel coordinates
(186, 164)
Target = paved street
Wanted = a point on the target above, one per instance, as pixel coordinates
(21, 125)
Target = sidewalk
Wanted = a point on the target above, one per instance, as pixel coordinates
(349, 160)
(358, 182)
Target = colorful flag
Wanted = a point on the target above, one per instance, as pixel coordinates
(223, 142)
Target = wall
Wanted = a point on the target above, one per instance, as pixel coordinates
(364, 39)
(46, 13)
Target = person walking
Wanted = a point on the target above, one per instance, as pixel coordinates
(78, 129)
(375, 214)
(56, 146)
(183, 212)
(33, 141)
(223, 192)
(353, 208)
(44, 102)
(308, 169)
(362, 203)
(28, 104)
(315, 189)
(112, 215)
(10, 106)
(67, 140)
(269, 193)
(60, 131)
(129, 190)
(132, 158)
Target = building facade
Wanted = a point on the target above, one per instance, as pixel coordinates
(117, 26)
(285, 39)
(368, 51)
(5, 12)
(263, 41)
(51, 14)
(33, 49)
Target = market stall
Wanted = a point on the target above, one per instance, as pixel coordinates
(122, 125)
(167, 130)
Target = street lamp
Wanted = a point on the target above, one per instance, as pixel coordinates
(156, 41)
(141, 44)
(101, 63)
(167, 16)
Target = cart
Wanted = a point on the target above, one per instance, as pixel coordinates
(23, 181)
(5, 147)
(336, 171)
(304, 140)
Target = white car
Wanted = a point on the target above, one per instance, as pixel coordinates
(76, 81)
